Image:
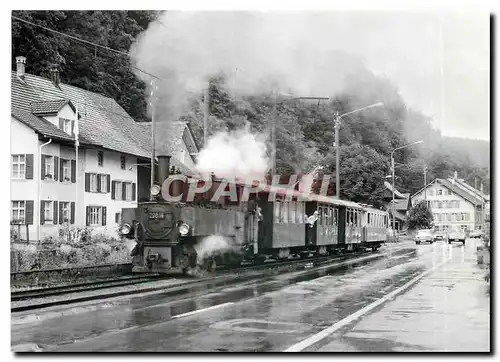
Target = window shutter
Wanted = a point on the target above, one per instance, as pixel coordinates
(87, 182)
(133, 191)
(124, 190)
(42, 167)
(108, 182)
(42, 212)
(61, 123)
(55, 210)
(72, 220)
(113, 187)
(29, 212)
(87, 215)
(73, 128)
(73, 171)
(56, 167)
(29, 167)
(117, 218)
(61, 216)
(61, 170)
(99, 183)
(104, 211)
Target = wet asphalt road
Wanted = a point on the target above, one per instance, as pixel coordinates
(251, 317)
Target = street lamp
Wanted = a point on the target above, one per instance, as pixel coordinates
(392, 168)
(337, 145)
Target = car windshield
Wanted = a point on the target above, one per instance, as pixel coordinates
(424, 232)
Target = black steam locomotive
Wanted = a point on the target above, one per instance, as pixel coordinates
(170, 236)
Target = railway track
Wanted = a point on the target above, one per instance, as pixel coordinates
(81, 287)
(223, 276)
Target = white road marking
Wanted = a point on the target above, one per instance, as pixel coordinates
(336, 326)
(201, 310)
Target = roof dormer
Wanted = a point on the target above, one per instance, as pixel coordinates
(60, 112)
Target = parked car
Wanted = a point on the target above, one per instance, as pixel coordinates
(440, 235)
(476, 234)
(424, 235)
(456, 236)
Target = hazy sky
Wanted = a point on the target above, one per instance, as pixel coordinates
(448, 79)
(439, 61)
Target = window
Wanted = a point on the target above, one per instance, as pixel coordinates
(299, 213)
(18, 166)
(284, 212)
(118, 193)
(128, 191)
(293, 212)
(439, 204)
(95, 215)
(65, 212)
(440, 192)
(122, 162)
(448, 217)
(66, 123)
(49, 167)
(65, 164)
(18, 211)
(435, 216)
(277, 204)
(117, 217)
(104, 183)
(93, 182)
(467, 216)
(448, 192)
(48, 211)
(428, 204)
(444, 204)
(100, 158)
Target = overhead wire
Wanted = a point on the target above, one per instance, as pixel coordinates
(95, 45)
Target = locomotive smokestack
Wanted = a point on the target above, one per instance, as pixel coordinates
(163, 169)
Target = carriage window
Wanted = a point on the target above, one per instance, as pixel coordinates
(335, 221)
(320, 215)
(284, 212)
(355, 218)
(277, 211)
(298, 213)
(293, 209)
(368, 216)
(325, 219)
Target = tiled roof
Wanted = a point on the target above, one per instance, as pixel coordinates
(455, 189)
(103, 122)
(397, 194)
(40, 125)
(48, 107)
(466, 186)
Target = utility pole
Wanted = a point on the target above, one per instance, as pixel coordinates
(482, 208)
(337, 156)
(425, 185)
(153, 140)
(393, 208)
(206, 103)
(273, 135)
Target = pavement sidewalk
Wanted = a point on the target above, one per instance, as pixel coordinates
(448, 310)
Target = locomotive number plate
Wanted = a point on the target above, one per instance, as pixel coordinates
(156, 216)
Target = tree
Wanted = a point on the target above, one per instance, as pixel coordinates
(420, 217)
(80, 64)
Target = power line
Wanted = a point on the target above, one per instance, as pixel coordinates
(85, 41)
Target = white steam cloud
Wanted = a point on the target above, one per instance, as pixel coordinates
(238, 154)
(258, 52)
(212, 245)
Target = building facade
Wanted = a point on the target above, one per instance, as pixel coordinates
(54, 183)
(452, 207)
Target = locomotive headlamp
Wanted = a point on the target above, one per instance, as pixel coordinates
(125, 229)
(155, 190)
(184, 229)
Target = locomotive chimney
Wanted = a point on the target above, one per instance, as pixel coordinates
(163, 169)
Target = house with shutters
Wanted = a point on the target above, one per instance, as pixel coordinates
(77, 158)
(454, 206)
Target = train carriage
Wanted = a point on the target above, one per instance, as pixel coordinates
(168, 233)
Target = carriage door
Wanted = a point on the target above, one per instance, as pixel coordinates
(341, 222)
(310, 232)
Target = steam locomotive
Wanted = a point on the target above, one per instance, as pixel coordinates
(169, 234)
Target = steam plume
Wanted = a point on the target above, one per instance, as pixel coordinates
(289, 52)
(212, 245)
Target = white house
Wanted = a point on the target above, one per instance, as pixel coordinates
(50, 185)
(453, 208)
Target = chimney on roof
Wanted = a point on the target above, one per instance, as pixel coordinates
(54, 74)
(21, 66)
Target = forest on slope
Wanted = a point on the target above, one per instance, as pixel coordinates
(304, 129)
